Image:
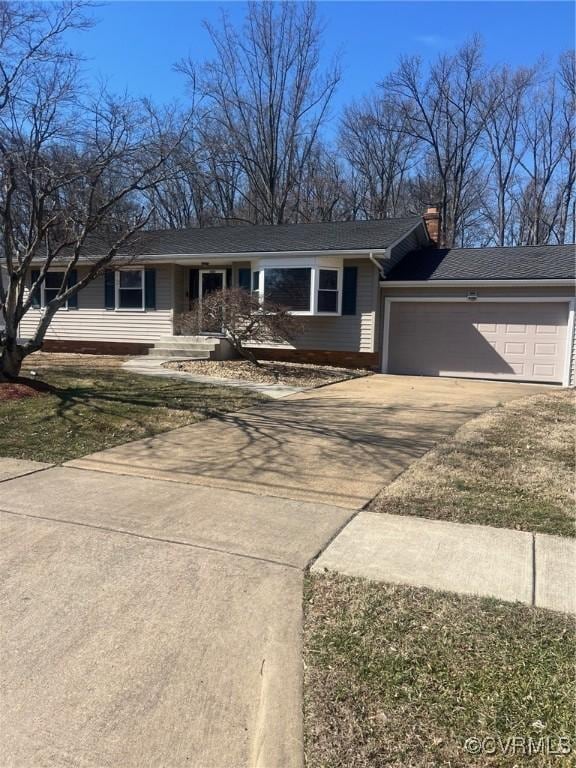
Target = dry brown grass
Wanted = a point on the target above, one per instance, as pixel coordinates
(401, 677)
(513, 467)
(89, 410)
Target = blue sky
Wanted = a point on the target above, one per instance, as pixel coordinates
(135, 44)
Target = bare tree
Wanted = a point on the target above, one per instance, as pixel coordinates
(545, 146)
(322, 188)
(566, 204)
(377, 145)
(242, 318)
(506, 94)
(74, 169)
(445, 112)
(269, 98)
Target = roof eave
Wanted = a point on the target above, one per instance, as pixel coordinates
(233, 256)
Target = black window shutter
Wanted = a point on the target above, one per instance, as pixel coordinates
(229, 277)
(109, 289)
(34, 275)
(244, 278)
(150, 289)
(194, 285)
(72, 280)
(349, 289)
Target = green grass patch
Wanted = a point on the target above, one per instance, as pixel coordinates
(399, 676)
(92, 410)
(513, 467)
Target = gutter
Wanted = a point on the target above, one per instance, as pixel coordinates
(560, 282)
(172, 258)
(377, 264)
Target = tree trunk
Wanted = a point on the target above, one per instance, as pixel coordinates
(11, 361)
(247, 354)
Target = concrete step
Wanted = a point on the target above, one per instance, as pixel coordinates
(208, 347)
(179, 352)
(190, 339)
(197, 347)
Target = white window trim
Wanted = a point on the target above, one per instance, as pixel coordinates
(314, 282)
(117, 307)
(569, 300)
(43, 294)
(339, 281)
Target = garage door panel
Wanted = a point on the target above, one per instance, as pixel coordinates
(514, 348)
(547, 330)
(489, 340)
(545, 349)
(544, 371)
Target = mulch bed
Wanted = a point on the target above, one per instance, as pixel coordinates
(22, 388)
(291, 374)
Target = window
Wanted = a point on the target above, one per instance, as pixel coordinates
(130, 289)
(256, 282)
(327, 290)
(244, 278)
(312, 286)
(289, 287)
(51, 286)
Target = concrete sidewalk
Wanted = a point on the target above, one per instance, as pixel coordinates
(536, 569)
(12, 468)
(152, 366)
(276, 530)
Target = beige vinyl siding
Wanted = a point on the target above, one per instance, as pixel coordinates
(91, 321)
(346, 333)
(181, 286)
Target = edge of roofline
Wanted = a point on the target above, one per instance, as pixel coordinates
(259, 254)
(463, 281)
(235, 255)
(398, 240)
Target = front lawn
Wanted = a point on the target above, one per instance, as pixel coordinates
(89, 410)
(402, 677)
(513, 467)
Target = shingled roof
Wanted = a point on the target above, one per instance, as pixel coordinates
(342, 236)
(530, 262)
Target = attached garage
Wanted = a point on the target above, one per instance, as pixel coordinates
(490, 313)
(521, 340)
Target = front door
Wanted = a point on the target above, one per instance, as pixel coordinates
(211, 281)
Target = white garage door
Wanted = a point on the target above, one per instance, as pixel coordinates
(483, 340)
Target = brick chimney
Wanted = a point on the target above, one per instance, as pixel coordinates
(432, 221)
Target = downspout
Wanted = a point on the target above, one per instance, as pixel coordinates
(377, 264)
(377, 341)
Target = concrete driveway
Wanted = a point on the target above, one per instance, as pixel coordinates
(148, 622)
(338, 444)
